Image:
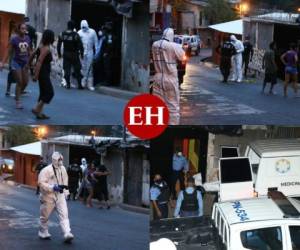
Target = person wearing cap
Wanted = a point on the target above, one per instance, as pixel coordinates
(53, 181)
(189, 202)
(247, 54)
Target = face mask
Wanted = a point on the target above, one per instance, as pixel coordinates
(60, 163)
(100, 33)
(179, 154)
(158, 181)
(85, 29)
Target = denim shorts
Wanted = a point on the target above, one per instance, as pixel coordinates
(291, 70)
(16, 65)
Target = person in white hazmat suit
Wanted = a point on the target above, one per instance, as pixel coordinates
(237, 59)
(90, 42)
(165, 54)
(53, 194)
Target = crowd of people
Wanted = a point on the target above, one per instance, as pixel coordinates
(85, 54)
(235, 54)
(86, 181)
(189, 200)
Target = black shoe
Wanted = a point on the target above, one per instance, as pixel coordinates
(80, 87)
(7, 94)
(68, 87)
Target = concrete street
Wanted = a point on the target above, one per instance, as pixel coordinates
(93, 228)
(205, 100)
(68, 107)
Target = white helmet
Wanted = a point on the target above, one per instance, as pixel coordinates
(83, 161)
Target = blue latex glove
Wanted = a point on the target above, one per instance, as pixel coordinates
(57, 188)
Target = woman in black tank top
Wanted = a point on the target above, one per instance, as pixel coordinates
(42, 74)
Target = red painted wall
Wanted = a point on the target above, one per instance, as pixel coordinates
(25, 168)
(5, 19)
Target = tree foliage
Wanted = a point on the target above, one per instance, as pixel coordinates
(19, 135)
(219, 11)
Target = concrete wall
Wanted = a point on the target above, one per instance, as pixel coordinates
(36, 11)
(59, 13)
(49, 14)
(113, 160)
(135, 50)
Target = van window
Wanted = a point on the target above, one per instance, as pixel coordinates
(227, 151)
(262, 238)
(295, 233)
(235, 170)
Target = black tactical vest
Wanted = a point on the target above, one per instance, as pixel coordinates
(190, 201)
(164, 193)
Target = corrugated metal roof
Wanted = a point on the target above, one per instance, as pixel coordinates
(276, 147)
(13, 6)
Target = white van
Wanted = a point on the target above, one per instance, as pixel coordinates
(275, 165)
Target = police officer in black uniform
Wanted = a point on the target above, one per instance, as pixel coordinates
(227, 50)
(72, 48)
(159, 196)
(247, 54)
(75, 174)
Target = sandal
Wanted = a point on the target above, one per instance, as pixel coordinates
(42, 117)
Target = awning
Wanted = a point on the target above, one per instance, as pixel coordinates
(13, 6)
(34, 148)
(233, 27)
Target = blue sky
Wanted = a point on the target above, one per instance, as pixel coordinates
(15, 6)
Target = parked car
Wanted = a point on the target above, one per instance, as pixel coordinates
(195, 45)
(271, 222)
(7, 166)
(184, 41)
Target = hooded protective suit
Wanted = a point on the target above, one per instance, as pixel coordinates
(53, 197)
(89, 40)
(165, 54)
(237, 59)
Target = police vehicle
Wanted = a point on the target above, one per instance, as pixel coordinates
(265, 223)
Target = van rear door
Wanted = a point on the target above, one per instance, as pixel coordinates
(235, 178)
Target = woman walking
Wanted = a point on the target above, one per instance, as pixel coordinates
(290, 60)
(19, 50)
(42, 74)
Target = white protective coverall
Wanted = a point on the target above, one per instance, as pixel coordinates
(90, 41)
(162, 244)
(51, 199)
(237, 59)
(165, 54)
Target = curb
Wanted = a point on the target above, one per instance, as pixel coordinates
(115, 92)
(135, 209)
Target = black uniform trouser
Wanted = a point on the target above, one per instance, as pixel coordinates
(246, 60)
(72, 60)
(177, 175)
(164, 211)
(225, 67)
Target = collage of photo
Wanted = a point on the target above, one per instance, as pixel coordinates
(149, 124)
